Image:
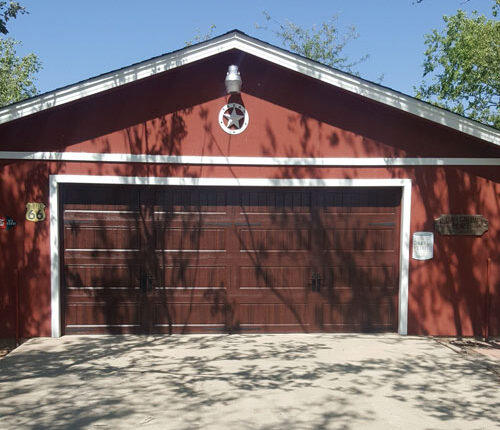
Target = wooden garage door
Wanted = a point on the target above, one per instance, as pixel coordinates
(187, 259)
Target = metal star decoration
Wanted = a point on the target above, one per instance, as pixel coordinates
(233, 118)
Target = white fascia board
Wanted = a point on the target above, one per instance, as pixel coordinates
(114, 79)
(244, 161)
(367, 89)
(261, 50)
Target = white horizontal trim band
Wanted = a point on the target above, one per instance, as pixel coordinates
(189, 325)
(245, 161)
(271, 288)
(227, 182)
(69, 226)
(181, 288)
(189, 213)
(100, 325)
(98, 212)
(101, 250)
(161, 288)
(103, 288)
(270, 324)
(190, 250)
(102, 265)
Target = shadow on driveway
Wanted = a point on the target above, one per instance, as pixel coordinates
(244, 381)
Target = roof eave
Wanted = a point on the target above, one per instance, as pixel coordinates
(250, 45)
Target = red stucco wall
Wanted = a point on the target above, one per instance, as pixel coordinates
(290, 116)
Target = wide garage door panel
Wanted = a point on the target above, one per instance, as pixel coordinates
(208, 259)
(179, 238)
(357, 316)
(273, 314)
(286, 277)
(100, 276)
(98, 317)
(191, 314)
(191, 277)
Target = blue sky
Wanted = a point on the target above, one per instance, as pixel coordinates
(78, 39)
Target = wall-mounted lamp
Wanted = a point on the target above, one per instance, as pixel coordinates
(233, 80)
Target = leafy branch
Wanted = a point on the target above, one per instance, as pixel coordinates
(324, 43)
(461, 70)
(9, 10)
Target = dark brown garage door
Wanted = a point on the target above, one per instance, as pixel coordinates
(196, 259)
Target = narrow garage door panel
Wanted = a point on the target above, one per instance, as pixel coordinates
(102, 245)
(192, 259)
(358, 260)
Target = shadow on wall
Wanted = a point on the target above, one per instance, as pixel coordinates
(171, 134)
(447, 294)
(24, 261)
(458, 276)
(456, 280)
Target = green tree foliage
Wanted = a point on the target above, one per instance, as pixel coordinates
(324, 43)
(9, 10)
(16, 73)
(462, 67)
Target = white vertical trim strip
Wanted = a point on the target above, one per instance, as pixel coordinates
(54, 180)
(54, 257)
(404, 263)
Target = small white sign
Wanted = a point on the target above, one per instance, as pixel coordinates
(423, 245)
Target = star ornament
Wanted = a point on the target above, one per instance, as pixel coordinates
(233, 118)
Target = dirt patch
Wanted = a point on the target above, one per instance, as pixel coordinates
(485, 352)
(6, 346)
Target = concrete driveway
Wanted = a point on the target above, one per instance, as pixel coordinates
(245, 381)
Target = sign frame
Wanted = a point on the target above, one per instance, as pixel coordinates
(461, 225)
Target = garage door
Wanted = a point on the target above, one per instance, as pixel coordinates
(198, 259)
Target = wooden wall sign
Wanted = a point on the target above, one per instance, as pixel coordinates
(461, 225)
(35, 211)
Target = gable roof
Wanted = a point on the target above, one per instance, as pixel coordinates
(238, 40)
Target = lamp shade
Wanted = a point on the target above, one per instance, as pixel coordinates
(233, 80)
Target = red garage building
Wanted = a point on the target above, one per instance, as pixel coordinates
(310, 201)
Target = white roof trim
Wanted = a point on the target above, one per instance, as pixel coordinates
(237, 40)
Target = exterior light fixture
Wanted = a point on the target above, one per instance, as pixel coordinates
(233, 80)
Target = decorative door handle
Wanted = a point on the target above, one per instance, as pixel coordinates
(316, 281)
(143, 282)
(146, 282)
